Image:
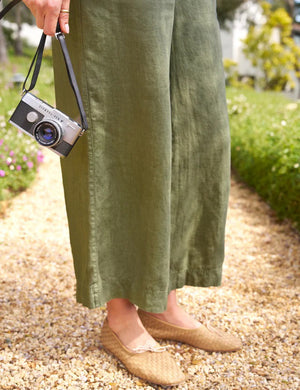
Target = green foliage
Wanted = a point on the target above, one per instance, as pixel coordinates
(288, 5)
(232, 75)
(265, 136)
(275, 59)
(20, 155)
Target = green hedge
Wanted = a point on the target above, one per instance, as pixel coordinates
(265, 137)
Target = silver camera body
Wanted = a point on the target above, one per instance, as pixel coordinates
(47, 125)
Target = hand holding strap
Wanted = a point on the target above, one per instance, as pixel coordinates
(37, 61)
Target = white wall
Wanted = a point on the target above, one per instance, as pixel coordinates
(31, 34)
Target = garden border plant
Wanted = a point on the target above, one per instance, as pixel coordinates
(20, 155)
(265, 147)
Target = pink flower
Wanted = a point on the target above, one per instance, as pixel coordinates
(11, 153)
(1, 142)
(30, 164)
(19, 167)
(2, 173)
(40, 156)
(25, 158)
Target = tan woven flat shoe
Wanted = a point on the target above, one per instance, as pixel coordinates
(203, 337)
(154, 365)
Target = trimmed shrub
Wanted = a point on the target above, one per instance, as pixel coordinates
(265, 139)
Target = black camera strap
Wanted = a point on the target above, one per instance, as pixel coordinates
(61, 38)
(37, 61)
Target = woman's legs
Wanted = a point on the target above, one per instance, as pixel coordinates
(123, 319)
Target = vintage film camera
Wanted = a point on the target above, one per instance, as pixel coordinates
(49, 126)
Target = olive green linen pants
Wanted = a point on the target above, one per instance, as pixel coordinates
(146, 188)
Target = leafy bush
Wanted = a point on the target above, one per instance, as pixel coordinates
(20, 155)
(232, 75)
(277, 57)
(265, 136)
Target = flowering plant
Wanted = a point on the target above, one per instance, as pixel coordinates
(20, 157)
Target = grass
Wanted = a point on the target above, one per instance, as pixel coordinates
(265, 136)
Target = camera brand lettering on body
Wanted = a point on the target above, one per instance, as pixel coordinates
(53, 116)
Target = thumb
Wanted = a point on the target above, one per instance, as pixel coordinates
(64, 16)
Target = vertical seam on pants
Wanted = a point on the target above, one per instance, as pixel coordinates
(91, 166)
(171, 146)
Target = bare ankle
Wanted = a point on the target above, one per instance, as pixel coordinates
(171, 308)
(123, 320)
(120, 312)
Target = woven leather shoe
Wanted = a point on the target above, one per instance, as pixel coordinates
(203, 337)
(154, 365)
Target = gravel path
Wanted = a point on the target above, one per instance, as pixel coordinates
(49, 342)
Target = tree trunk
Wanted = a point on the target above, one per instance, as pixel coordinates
(18, 41)
(290, 7)
(3, 51)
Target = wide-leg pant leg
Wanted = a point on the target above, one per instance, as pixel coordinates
(200, 145)
(117, 180)
(146, 187)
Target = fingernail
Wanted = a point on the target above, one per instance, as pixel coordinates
(67, 29)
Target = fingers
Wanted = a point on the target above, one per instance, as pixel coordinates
(48, 12)
(51, 13)
(40, 20)
(64, 16)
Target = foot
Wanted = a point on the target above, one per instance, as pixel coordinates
(124, 321)
(176, 315)
(204, 337)
(159, 367)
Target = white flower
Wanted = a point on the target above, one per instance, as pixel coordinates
(292, 106)
(283, 123)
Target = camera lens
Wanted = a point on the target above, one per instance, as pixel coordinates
(47, 133)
